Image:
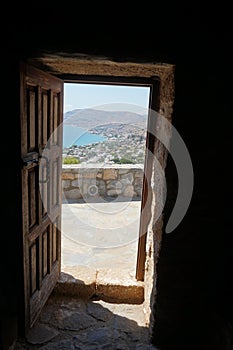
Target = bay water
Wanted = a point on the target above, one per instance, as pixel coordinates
(73, 135)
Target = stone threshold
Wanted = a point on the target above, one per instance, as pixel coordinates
(110, 285)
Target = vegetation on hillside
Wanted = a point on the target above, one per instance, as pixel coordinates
(70, 160)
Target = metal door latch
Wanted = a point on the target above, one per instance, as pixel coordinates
(30, 159)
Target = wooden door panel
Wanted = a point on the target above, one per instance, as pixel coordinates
(44, 118)
(41, 150)
(32, 118)
(32, 197)
(44, 177)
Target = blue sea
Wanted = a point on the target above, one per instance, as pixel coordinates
(73, 135)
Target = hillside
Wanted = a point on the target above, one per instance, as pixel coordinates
(89, 118)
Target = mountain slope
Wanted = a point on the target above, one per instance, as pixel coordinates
(89, 118)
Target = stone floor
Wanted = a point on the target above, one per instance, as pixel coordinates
(99, 252)
(101, 235)
(77, 324)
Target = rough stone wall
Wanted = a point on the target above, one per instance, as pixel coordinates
(79, 182)
(157, 185)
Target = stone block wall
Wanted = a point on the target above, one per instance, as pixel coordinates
(81, 182)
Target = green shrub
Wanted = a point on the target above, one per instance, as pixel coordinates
(126, 161)
(70, 160)
(116, 160)
(123, 161)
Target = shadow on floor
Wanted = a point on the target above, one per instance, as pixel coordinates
(69, 323)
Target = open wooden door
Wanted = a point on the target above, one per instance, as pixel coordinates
(41, 109)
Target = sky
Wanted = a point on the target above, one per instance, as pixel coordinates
(108, 97)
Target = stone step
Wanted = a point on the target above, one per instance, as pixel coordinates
(110, 285)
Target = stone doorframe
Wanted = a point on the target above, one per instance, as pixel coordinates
(73, 67)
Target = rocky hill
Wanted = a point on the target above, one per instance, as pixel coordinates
(91, 118)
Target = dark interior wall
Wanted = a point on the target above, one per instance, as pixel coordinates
(194, 300)
(10, 238)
